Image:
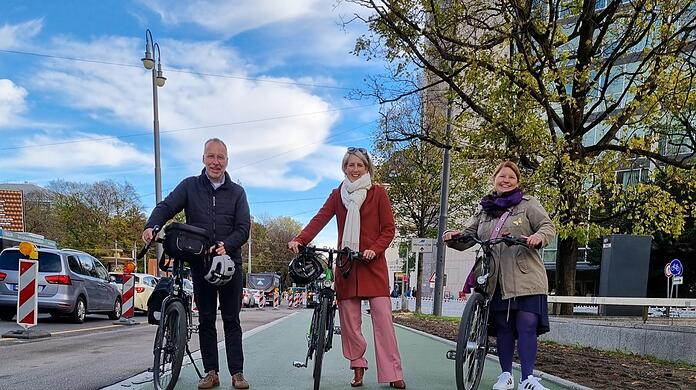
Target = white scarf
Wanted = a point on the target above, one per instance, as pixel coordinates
(353, 195)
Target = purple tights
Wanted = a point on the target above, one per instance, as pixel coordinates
(525, 325)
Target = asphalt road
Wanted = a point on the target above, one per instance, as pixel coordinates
(92, 355)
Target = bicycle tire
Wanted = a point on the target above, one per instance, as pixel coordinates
(321, 341)
(472, 343)
(170, 345)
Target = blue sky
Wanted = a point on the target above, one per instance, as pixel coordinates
(268, 77)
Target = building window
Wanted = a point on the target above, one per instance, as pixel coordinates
(630, 177)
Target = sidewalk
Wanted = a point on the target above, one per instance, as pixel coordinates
(270, 350)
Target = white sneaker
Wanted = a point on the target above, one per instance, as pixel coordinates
(505, 382)
(531, 383)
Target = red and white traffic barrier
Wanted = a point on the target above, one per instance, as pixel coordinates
(27, 302)
(262, 300)
(128, 301)
(276, 300)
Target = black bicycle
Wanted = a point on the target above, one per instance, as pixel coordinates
(472, 341)
(322, 329)
(175, 325)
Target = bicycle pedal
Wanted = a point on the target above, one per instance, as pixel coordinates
(337, 329)
(492, 350)
(297, 364)
(451, 354)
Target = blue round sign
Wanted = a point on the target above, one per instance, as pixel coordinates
(675, 266)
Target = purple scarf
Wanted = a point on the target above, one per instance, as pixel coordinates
(495, 204)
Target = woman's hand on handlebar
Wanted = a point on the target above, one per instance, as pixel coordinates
(449, 234)
(294, 246)
(534, 241)
(369, 254)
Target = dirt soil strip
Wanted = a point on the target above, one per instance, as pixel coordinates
(585, 366)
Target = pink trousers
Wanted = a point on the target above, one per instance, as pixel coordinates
(354, 344)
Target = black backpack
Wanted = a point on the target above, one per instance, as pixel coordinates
(154, 303)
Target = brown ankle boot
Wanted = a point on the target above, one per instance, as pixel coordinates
(358, 373)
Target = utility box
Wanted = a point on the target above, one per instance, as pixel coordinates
(624, 271)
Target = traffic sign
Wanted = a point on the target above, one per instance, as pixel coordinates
(422, 245)
(668, 273)
(676, 268)
(677, 280)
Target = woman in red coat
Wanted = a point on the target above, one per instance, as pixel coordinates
(365, 223)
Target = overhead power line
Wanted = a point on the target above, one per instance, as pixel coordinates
(148, 133)
(176, 70)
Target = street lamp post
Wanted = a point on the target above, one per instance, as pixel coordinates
(157, 81)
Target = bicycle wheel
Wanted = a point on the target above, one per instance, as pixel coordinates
(472, 343)
(321, 341)
(170, 344)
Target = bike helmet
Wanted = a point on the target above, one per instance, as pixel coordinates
(220, 271)
(305, 268)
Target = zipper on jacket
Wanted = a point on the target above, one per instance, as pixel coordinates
(214, 218)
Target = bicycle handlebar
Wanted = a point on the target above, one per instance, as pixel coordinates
(507, 240)
(350, 254)
(155, 231)
(345, 251)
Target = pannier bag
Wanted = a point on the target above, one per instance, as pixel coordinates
(154, 303)
(185, 242)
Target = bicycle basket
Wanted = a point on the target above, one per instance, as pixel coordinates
(305, 268)
(185, 242)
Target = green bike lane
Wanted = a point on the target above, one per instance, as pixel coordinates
(270, 350)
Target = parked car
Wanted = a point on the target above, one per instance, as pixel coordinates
(248, 299)
(144, 286)
(70, 283)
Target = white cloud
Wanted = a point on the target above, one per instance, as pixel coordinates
(311, 31)
(64, 156)
(13, 36)
(230, 17)
(268, 127)
(12, 102)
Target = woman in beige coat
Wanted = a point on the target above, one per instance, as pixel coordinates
(518, 281)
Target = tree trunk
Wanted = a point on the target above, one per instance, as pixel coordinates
(566, 263)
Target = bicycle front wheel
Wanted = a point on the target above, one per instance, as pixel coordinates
(472, 343)
(170, 344)
(321, 341)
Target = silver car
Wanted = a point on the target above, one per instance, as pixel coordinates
(70, 283)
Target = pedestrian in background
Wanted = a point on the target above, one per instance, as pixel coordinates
(365, 224)
(212, 201)
(518, 282)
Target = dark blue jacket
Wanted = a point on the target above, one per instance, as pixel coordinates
(223, 212)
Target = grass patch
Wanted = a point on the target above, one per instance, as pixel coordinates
(437, 318)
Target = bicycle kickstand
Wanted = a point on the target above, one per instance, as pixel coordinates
(188, 352)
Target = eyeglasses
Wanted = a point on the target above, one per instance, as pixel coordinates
(353, 149)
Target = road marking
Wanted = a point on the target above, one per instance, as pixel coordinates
(85, 329)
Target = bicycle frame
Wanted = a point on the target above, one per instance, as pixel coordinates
(175, 294)
(472, 341)
(322, 329)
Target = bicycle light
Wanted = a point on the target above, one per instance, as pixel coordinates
(327, 283)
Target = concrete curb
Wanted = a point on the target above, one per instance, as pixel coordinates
(146, 376)
(540, 374)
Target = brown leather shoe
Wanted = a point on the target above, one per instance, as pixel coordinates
(400, 384)
(238, 381)
(358, 373)
(210, 380)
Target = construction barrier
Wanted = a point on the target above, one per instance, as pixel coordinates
(27, 302)
(276, 300)
(262, 300)
(128, 300)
